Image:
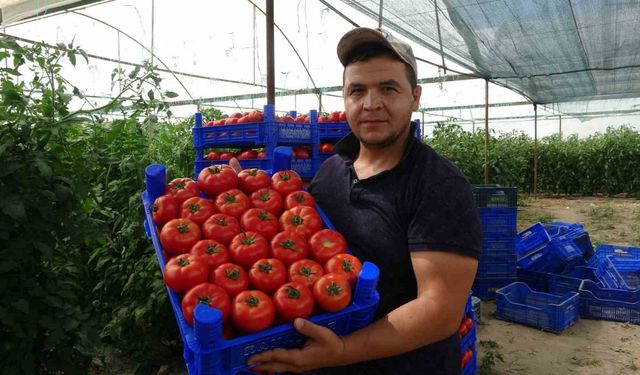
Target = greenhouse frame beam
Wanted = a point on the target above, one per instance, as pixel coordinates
(547, 117)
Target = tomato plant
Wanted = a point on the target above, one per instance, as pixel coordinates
(214, 253)
(250, 180)
(299, 198)
(305, 271)
(293, 300)
(197, 209)
(261, 221)
(332, 292)
(289, 247)
(232, 202)
(207, 294)
(267, 199)
(179, 235)
(345, 264)
(252, 311)
(220, 227)
(182, 189)
(183, 272)
(301, 219)
(267, 275)
(231, 277)
(285, 182)
(215, 179)
(164, 208)
(247, 248)
(326, 243)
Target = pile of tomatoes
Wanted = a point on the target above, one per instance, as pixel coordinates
(257, 250)
(466, 325)
(299, 152)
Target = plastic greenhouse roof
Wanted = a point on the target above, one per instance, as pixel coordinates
(551, 51)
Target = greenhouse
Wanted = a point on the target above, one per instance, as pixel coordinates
(537, 103)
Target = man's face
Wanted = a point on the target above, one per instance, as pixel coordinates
(379, 100)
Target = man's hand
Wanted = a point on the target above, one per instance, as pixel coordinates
(235, 164)
(323, 349)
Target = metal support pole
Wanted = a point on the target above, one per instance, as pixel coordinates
(271, 71)
(319, 101)
(424, 135)
(380, 16)
(486, 132)
(535, 150)
(444, 66)
(560, 126)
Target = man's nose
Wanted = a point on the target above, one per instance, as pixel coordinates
(373, 100)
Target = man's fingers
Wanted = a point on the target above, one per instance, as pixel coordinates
(275, 355)
(235, 164)
(313, 331)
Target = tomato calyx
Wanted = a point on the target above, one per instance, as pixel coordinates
(264, 197)
(205, 300)
(215, 169)
(265, 267)
(177, 186)
(289, 245)
(306, 272)
(347, 265)
(299, 198)
(252, 301)
(183, 261)
(264, 215)
(229, 198)
(293, 292)
(183, 228)
(154, 208)
(285, 176)
(213, 249)
(248, 240)
(223, 222)
(194, 207)
(233, 274)
(252, 172)
(297, 220)
(334, 289)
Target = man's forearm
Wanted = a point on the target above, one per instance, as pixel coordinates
(410, 326)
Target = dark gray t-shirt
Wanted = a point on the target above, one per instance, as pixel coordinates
(424, 203)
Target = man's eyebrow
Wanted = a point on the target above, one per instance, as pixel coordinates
(389, 82)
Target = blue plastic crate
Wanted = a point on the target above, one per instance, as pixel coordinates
(554, 257)
(538, 281)
(609, 304)
(629, 269)
(558, 228)
(495, 196)
(518, 303)
(608, 275)
(206, 352)
(333, 130)
(499, 220)
(618, 251)
(469, 340)
(503, 268)
(570, 281)
(472, 365)
(306, 168)
(485, 288)
(531, 239)
(498, 247)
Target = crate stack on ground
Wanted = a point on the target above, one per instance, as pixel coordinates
(267, 134)
(497, 207)
(467, 332)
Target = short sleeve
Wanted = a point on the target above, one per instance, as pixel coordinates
(446, 219)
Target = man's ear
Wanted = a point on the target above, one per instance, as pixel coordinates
(417, 92)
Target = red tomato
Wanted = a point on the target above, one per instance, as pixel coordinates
(247, 248)
(248, 154)
(343, 116)
(197, 209)
(323, 118)
(215, 179)
(220, 227)
(469, 323)
(231, 121)
(183, 272)
(301, 153)
(182, 189)
(208, 294)
(300, 119)
(301, 219)
(467, 356)
(256, 116)
(179, 235)
(462, 330)
(332, 292)
(345, 264)
(231, 277)
(212, 156)
(164, 208)
(261, 221)
(293, 300)
(236, 115)
(299, 198)
(267, 275)
(250, 180)
(212, 252)
(305, 271)
(267, 199)
(232, 202)
(326, 147)
(227, 155)
(285, 182)
(289, 247)
(252, 311)
(334, 116)
(262, 155)
(325, 244)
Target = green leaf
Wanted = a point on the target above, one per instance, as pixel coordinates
(72, 57)
(170, 94)
(134, 72)
(21, 305)
(7, 265)
(150, 94)
(13, 206)
(43, 167)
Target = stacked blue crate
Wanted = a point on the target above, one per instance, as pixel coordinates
(267, 133)
(497, 207)
(468, 339)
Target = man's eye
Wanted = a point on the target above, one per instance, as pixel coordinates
(355, 91)
(388, 88)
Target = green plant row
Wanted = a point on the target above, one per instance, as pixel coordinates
(603, 163)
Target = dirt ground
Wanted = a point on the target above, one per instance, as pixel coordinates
(588, 347)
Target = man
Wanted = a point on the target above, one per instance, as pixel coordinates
(402, 207)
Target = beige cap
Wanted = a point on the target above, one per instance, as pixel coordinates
(362, 35)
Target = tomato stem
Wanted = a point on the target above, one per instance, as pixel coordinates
(334, 289)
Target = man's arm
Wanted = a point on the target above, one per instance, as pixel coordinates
(443, 282)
